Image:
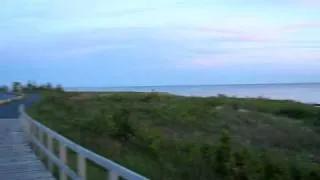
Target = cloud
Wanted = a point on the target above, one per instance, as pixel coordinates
(252, 33)
(223, 34)
(311, 2)
(160, 35)
(95, 49)
(273, 57)
(302, 25)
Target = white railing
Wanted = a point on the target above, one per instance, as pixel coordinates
(36, 132)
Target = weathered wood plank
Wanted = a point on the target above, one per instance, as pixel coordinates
(81, 167)
(112, 176)
(17, 160)
(63, 158)
(50, 149)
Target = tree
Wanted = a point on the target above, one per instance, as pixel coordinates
(30, 86)
(16, 86)
(4, 88)
(48, 86)
(59, 88)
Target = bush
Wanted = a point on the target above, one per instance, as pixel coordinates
(123, 129)
(295, 112)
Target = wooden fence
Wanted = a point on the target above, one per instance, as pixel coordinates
(42, 138)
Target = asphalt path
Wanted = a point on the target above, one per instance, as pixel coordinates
(4, 96)
(10, 110)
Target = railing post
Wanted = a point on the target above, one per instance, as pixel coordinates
(112, 175)
(36, 135)
(41, 139)
(63, 157)
(50, 148)
(81, 167)
(25, 128)
(32, 132)
(28, 128)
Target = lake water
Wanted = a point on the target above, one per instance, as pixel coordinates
(308, 93)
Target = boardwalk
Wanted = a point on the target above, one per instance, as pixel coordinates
(17, 161)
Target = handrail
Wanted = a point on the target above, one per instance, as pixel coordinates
(114, 170)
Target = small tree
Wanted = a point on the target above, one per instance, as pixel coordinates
(48, 86)
(16, 87)
(4, 88)
(30, 86)
(59, 88)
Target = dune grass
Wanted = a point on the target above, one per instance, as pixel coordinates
(163, 136)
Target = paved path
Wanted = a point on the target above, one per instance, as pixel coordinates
(10, 110)
(17, 161)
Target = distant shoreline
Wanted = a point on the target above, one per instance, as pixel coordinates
(308, 93)
(103, 92)
(317, 105)
(194, 85)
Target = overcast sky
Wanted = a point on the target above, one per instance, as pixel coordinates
(167, 42)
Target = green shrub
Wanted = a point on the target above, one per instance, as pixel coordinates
(123, 129)
(172, 137)
(295, 112)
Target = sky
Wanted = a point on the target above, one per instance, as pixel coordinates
(83, 43)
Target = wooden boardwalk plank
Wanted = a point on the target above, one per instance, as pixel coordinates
(17, 160)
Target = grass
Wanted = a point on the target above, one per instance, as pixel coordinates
(163, 136)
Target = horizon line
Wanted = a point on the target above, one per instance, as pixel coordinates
(191, 85)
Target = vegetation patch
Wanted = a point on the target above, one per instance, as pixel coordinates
(163, 136)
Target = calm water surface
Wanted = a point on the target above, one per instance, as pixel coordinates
(308, 93)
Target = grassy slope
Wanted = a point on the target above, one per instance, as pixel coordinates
(160, 128)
